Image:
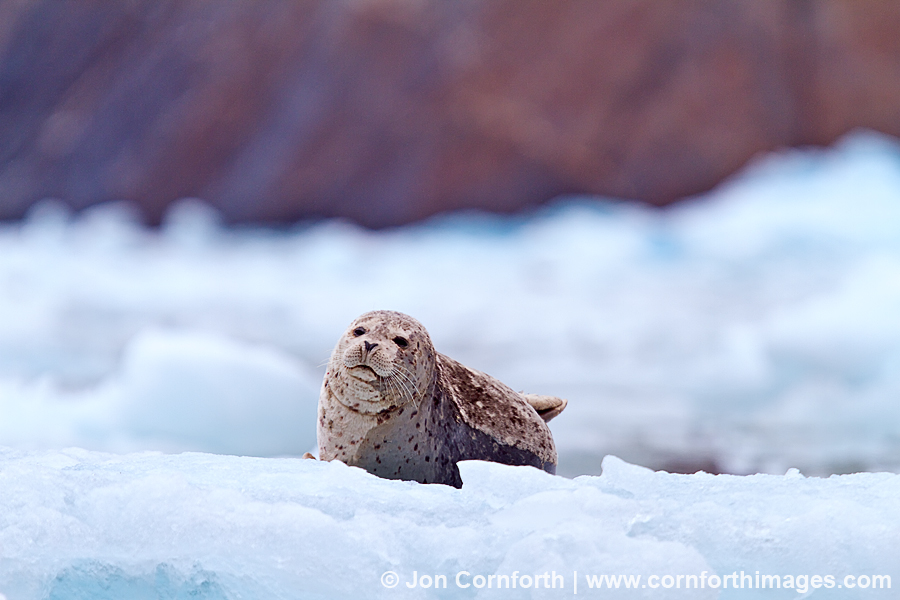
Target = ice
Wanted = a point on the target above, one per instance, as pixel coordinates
(752, 329)
(81, 524)
(176, 390)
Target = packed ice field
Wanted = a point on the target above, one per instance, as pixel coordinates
(754, 329)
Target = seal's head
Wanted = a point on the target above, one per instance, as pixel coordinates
(383, 361)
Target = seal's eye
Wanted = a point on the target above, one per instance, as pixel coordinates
(358, 331)
(401, 341)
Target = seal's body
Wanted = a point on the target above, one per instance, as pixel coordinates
(393, 406)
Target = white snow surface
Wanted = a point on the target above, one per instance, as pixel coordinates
(79, 524)
(752, 329)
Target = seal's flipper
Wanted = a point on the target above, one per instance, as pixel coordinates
(546, 406)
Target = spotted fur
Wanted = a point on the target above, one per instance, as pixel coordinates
(394, 406)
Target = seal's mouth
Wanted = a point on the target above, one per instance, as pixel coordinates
(363, 373)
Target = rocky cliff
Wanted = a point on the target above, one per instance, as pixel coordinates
(387, 111)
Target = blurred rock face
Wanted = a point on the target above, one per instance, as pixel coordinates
(387, 111)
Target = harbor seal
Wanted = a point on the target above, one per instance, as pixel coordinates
(395, 407)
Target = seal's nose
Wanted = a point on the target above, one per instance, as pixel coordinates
(369, 346)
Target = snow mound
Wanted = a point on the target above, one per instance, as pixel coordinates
(177, 390)
(80, 524)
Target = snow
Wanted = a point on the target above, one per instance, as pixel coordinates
(175, 390)
(81, 524)
(750, 330)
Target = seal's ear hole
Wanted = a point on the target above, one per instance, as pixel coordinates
(401, 341)
(358, 331)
